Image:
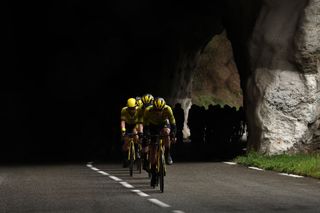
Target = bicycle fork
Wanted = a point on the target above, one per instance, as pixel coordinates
(131, 149)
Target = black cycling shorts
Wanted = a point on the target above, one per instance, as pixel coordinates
(130, 127)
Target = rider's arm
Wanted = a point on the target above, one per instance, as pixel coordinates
(171, 118)
(123, 121)
(123, 126)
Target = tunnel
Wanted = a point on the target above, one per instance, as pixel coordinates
(70, 66)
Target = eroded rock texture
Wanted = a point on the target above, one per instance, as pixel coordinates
(216, 78)
(283, 91)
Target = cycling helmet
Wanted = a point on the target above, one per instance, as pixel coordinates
(131, 102)
(159, 103)
(139, 101)
(147, 99)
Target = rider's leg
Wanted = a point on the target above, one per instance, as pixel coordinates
(153, 160)
(125, 149)
(167, 142)
(136, 142)
(144, 153)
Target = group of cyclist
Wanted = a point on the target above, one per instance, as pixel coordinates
(145, 116)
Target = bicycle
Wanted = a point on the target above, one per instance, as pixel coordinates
(131, 152)
(157, 144)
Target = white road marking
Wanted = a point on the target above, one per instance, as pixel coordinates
(140, 193)
(127, 185)
(103, 173)
(255, 168)
(115, 178)
(177, 211)
(159, 203)
(230, 163)
(259, 169)
(291, 175)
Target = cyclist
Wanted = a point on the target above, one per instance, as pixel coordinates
(147, 100)
(159, 118)
(129, 123)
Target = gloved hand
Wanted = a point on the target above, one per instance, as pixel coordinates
(123, 132)
(173, 129)
(173, 133)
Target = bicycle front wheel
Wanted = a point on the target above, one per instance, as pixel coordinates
(139, 161)
(162, 172)
(131, 158)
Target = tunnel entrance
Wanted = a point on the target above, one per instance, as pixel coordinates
(84, 60)
(214, 123)
(90, 59)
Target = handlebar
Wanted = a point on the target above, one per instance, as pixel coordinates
(130, 134)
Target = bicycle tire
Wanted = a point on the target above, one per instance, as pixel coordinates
(162, 165)
(148, 163)
(139, 160)
(131, 158)
(162, 173)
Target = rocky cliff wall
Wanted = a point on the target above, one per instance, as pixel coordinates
(283, 91)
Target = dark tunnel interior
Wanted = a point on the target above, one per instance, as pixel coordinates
(70, 66)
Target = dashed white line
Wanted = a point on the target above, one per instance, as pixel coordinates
(230, 163)
(178, 211)
(255, 168)
(115, 178)
(259, 169)
(127, 185)
(159, 203)
(103, 173)
(140, 193)
(291, 175)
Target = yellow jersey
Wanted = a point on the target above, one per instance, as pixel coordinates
(130, 118)
(154, 117)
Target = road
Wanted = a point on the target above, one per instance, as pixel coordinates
(189, 187)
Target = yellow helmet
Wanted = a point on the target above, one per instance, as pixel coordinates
(159, 103)
(131, 103)
(139, 101)
(147, 99)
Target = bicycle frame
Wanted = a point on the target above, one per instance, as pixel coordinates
(131, 152)
(131, 149)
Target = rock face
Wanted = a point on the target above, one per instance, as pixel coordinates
(283, 90)
(216, 78)
(276, 47)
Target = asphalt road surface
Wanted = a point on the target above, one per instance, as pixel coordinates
(189, 187)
